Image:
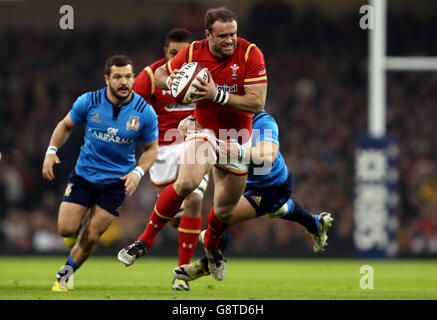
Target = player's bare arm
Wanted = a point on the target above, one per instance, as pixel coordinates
(59, 137)
(252, 101)
(264, 152)
(147, 158)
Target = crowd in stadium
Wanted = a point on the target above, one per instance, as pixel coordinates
(317, 69)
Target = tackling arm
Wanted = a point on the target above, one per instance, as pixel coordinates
(264, 152)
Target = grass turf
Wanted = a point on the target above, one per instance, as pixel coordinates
(30, 278)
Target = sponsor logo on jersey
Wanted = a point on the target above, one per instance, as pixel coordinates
(110, 137)
(227, 88)
(133, 123)
(179, 107)
(112, 131)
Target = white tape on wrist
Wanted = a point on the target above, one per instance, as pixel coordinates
(51, 150)
(139, 171)
(222, 97)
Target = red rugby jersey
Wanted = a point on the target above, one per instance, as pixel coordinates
(245, 67)
(169, 112)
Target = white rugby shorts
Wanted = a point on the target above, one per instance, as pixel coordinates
(165, 169)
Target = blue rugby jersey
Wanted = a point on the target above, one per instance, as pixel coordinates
(108, 152)
(265, 128)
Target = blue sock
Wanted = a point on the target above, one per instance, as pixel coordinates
(298, 214)
(223, 244)
(204, 262)
(73, 264)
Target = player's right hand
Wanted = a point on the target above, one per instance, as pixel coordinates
(47, 168)
(174, 75)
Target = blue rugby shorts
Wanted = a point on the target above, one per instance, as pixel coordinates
(269, 199)
(109, 197)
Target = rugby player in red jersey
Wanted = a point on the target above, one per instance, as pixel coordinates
(165, 169)
(224, 109)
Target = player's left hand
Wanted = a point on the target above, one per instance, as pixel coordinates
(131, 182)
(207, 90)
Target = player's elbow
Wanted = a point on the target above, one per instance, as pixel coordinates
(160, 76)
(65, 126)
(258, 107)
(258, 104)
(257, 97)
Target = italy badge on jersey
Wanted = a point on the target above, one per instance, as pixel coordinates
(133, 123)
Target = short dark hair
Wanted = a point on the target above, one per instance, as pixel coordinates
(222, 14)
(119, 60)
(178, 35)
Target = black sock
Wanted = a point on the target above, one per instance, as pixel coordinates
(298, 214)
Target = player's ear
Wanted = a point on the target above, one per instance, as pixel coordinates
(106, 77)
(207, 34)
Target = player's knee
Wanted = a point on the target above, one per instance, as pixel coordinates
(185, 185)
(66, 230)
(223, 213)
(91, 236)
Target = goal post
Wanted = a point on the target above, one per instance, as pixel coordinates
(376, 171)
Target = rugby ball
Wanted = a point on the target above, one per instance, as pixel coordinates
(182, 88)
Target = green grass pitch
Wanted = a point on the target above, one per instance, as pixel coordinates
(104, 278)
